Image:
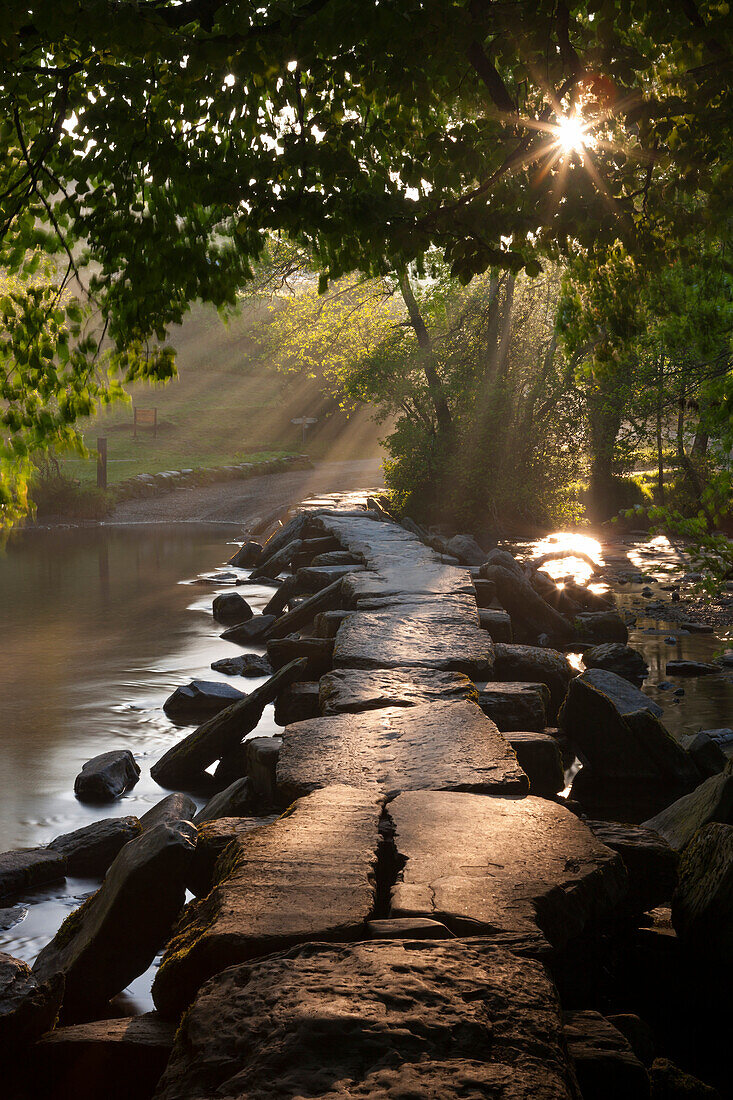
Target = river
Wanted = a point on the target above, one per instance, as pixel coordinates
(99, 627)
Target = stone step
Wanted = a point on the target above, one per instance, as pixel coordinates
(421, 637)
(494, 865)
(433, 746)
(347, 690)
(515, 705)
(307, 876)
(386, 1018)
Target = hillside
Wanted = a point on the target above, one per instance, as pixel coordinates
(225, 404)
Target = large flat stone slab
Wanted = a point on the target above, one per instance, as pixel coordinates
(433, 746)
(348, 690)
(419, 637)
(396, 1019)
(306, 876)
(484, 865)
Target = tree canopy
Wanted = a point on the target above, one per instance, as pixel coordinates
(155, 145)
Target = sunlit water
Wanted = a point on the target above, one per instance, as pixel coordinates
(99, 627)
(707, 702)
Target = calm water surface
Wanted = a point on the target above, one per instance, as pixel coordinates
(99, 626)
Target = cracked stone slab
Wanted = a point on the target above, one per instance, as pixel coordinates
(433, 746)
(307, 876)
(348, 690)
(422, 637)
(486, 865)
(399, 1019)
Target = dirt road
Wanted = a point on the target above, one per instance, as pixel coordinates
(244, 502)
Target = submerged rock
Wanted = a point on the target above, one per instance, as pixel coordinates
(690, 668)
(170, 810)
(405, 1018)
(253, 630)
(107, 776)
(247, 555)
(114, 936)
(186, 761)
(91, 849)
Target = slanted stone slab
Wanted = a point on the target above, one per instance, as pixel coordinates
(214, 837)
(91, 849)
(425, 638)
(348, 690)
(307, 876)
(407, 1018)
(435, 746)
(632, 767)
(116, 1059)
(186, 761)
(484, 865)
(710, 801)
(515, 705)
(234, 801)
(116, 933)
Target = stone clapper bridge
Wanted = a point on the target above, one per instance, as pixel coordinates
(399, 925)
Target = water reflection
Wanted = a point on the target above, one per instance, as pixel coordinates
(98, 629)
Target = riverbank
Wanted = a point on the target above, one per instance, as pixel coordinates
(251, 502)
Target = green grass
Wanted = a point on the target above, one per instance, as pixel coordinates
(150, 460)
(225, 406)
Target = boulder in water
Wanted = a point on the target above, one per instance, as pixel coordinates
(107, 776)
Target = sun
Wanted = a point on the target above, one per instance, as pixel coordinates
(571, 133)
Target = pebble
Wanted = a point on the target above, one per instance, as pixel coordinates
(671, 640)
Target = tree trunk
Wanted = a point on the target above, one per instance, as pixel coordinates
(660, 450)
(429, 359)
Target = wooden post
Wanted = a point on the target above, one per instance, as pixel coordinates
(102, 462)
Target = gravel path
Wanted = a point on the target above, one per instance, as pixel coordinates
(251, 501)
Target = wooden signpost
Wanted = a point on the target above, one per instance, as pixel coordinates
(305, 422)
(145, 418)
